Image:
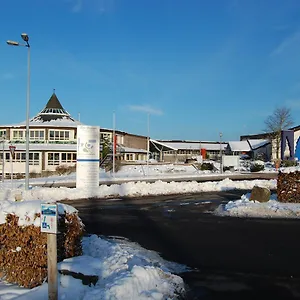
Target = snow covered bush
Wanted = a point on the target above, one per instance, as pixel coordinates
(257, 166)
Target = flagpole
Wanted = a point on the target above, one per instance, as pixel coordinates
(148, 146)
(114, 143)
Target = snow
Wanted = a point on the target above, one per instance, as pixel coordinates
(257, 143)
(125, 269)
(253, 208)
(239, 146)
(60, 122)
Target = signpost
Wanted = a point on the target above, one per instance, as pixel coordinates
(49, 226)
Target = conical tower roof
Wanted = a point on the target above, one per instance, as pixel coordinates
(52, 111)
(53, 102)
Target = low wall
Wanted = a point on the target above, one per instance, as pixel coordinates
(288, 187)
(23, 249)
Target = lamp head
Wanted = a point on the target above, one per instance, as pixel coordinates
(12, 43)
(25, 37)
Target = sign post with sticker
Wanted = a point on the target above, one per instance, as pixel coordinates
(49, 226)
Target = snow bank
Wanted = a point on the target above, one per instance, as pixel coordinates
(271, 209)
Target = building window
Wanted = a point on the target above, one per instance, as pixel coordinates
(53, 159)
(37, 135)
(18, 134)
(129, 156)
(20, 157)
(68, 157)
(3, 133)
(59, 135)
(34, 159)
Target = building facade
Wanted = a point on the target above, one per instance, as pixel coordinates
(276, 150)
(53, 142)
(181, 151)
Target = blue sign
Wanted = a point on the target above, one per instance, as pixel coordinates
(49, 218)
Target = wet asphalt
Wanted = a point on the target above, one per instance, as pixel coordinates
(231, 258)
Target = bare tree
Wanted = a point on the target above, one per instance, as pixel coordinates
(281, 119)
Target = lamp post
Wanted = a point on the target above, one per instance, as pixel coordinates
(25, 38)
(221, 165)
(3, 158)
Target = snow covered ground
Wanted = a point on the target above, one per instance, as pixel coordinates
(9, 189)
(249, 208)
(127, 271)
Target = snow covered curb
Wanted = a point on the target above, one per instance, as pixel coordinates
(271, 209)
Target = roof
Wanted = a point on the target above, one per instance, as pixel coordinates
(242, 146)
(254, 144)
(53, 115)
(53, 102)
(295, 128)
(265, 135)
(53, 111)
(189, 145)
(102, 129)
(248, 145)
(168, 147)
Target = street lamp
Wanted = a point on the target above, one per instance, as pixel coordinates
(25, 38)
(221, 165)
(3, 157)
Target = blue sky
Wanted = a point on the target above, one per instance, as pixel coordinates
(196, 67)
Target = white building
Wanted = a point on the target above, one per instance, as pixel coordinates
(53, 142)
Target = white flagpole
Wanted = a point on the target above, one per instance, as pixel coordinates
(148, 145)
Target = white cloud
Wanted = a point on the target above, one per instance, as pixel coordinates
(286, 43)
(146, 108)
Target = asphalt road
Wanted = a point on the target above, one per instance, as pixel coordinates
(232, 258)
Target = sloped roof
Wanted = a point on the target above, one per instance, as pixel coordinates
(186, 145)
(164, 145)
(53, 115)
(254, 144)
(242, 146)
(53, 102)
(248, 145)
